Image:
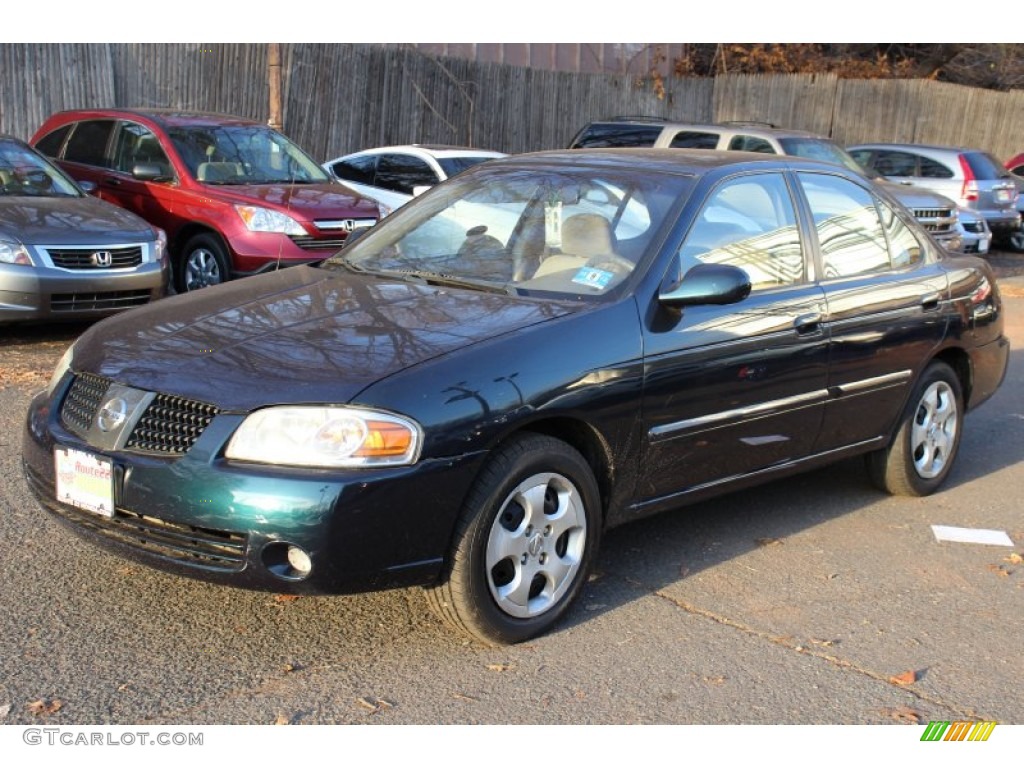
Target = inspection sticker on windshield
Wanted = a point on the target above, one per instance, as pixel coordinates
(593, 278)
(85, 481)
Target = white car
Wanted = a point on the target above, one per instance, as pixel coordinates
(394, 175)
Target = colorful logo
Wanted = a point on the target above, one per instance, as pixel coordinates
(963, 730)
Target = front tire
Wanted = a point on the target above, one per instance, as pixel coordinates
(922, 452)
(524, 544)
(203, 262)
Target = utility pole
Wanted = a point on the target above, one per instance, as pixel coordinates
(274, 81)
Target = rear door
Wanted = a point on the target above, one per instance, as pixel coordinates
(732, 390)
(886, 299)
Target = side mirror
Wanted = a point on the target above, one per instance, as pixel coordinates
(708, 284)
(89, 187)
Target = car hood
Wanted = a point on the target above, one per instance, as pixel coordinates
(917, 197)
(302, 201)
(300, 335)
(69, 221)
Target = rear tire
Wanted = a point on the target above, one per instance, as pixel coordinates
(924, 448)
(524, 544)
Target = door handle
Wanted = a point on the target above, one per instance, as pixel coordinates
(930, 302)
(112, 181)
(809, 323)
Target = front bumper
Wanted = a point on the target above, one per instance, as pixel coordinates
(47, 293)
(202, 516)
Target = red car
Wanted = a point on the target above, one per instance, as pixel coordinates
(235, 197)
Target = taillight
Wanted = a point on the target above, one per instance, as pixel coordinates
(969, 191)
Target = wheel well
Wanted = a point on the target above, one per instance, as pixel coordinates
(188, 231)
(960, 362)
(585, 439)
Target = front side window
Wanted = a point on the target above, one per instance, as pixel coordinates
(88, 143)
(137, 144)
(748, 222)
(403, 173)
(850, 232)
(751, 144)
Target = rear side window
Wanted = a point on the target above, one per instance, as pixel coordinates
(694, 140)
(51, 143)
(932, 169)
(360, 169)
(984, 166)
(604, 135)
(88, 143)
(850, 232)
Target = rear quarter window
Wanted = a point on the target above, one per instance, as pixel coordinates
(51, 143)
(984, 166)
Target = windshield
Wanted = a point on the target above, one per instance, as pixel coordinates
(243, 154)
(822, 149)
(24, 173)
(532, 231)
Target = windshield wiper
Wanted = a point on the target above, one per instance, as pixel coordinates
(454, 281)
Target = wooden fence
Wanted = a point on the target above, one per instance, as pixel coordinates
(338, 98)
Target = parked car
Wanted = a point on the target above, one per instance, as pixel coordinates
(1015, 165)
(974, 231)
(971, 177)
(936, 213)
(235, 197)
(394, 175)
(65, 254)
(658, 328)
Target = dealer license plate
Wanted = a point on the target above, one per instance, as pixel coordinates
(85, 480)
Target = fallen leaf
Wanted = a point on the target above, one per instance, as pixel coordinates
(499, 667)
(715, 679)
(999, 570)
(123, 687)
(464, 697)
(374, 705)
(768, 542)
(1014, 558)
(283, 720)
(291, 668)
(285, 598)
(903, 715)
(906, 678)
(4, 711)
(42, 707)
(824, 643)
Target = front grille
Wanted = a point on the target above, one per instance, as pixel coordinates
(933, 213)
(82, 258)
(188, 545)
(82, 402)
(307, 243)
(936, 227)
(170, 425)
(76, 302)
(973, 226)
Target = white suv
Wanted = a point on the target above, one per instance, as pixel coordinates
(937, 213)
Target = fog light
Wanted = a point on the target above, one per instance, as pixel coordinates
(287, 561)
(299, 560)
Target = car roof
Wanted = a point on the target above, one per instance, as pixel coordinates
(434, 150)
(697, 162)
(914, 147)
(747, 127)
(164, 117)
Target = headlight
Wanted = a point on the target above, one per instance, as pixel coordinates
(314, 436)
(160, 248)
(13, 252)
(266, 220)
(60, 370)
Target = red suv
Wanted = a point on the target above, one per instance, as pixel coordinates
(235, 197)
